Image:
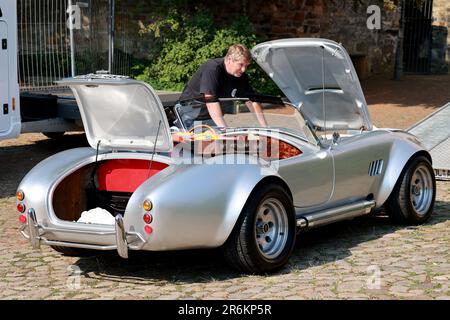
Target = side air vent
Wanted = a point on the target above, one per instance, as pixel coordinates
(375, 168)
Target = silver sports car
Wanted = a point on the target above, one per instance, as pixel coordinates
(159, 178)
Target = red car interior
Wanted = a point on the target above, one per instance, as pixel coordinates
(125, 175)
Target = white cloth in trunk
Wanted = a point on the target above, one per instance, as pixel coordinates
(97, 216)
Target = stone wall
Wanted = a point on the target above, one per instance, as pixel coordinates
(341, 21)
(344, 21)
(439, 50)
(441, 36)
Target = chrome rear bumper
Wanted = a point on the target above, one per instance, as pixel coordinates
(124, 240)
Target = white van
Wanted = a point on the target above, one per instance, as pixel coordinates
(10, 121)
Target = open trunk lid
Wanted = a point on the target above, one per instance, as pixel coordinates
(121, 114)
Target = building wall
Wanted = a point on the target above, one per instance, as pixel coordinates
(341, 21)
(344, 21)
(373, 51)
(441, 27)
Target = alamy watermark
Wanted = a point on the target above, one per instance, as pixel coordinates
(74, 279)
(374, 280)
(374, 20)
(74, 20)
(74, 11)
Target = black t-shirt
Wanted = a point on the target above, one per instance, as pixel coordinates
(213, 79)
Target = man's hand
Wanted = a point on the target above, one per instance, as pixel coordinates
(256, 108)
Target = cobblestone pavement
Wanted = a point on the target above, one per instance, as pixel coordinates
(366, 258)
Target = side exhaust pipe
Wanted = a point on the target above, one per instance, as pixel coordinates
(321, 218)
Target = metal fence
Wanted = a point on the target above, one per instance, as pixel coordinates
(61, 38)
(417, 41)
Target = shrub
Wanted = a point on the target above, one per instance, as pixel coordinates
(184, 42)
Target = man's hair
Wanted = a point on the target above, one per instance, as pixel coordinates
(238, 52)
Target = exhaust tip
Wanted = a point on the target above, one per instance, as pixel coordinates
(302, 223)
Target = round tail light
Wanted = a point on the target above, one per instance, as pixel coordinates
(20, 195)
(148, 205)
(148, 218)
(23, 218)
(148, 229)
(21, 208)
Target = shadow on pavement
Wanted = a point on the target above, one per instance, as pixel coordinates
(314, 248)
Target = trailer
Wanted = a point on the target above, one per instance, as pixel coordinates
(434, 132)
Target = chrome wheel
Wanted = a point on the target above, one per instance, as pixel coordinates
(271, 228)
(264, 235)
(421, 190)
(412, 199)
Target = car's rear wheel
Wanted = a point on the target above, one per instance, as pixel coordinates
(264, 235)
(412, 200)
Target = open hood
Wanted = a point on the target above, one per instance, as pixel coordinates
(120, 113)
(295, 65)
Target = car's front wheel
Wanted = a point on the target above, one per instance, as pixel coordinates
(412, 199)
(264, 235)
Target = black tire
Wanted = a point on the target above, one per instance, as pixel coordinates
(74, 252)
(241, 249)
(409, 203)
(53, 135)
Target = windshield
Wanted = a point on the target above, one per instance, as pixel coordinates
(241, 113)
